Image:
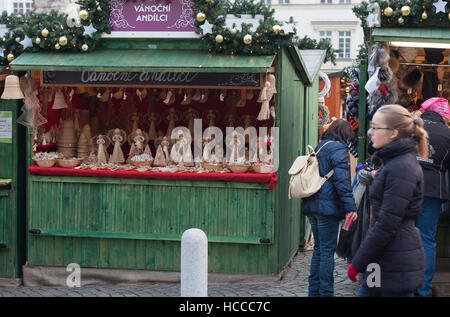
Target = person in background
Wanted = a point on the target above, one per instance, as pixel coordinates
(435, 114)
(329, 205)
(393, 242)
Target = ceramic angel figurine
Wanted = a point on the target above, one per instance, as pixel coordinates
(266, 95)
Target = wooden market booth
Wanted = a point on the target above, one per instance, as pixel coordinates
(134, 220)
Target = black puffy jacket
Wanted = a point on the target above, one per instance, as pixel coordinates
(393, 241)
(439, 155)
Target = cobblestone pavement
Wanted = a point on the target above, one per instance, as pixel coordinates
(294, 283)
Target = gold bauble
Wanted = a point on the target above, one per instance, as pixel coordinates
(200, 17)
(45, 32)
(37, 40)
(247, 39)
(233, 31)
(17, 39)
(57, 46)
(208, 1)
(84, 15)
(10, 57)
(84, 47)
(401, 20)
(219, 38)
(388, 11)
(276, 29)
(62, 41)
(405, 10)
(424, 16)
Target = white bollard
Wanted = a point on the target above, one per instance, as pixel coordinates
(194, 263)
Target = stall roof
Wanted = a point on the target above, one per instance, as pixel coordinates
(424, 35)
(308, 60)
(142, 60)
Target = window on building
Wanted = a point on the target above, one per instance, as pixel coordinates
(283, 1)
(268, 2)
(326, 1)
(23, 6)
(325, 35)
(345, 1)
(344, 44)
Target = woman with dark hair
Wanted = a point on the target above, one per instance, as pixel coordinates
(329, 205)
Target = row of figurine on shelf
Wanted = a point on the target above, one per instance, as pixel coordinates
(92, 153)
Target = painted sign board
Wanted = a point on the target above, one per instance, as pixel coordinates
(152, 18)
(151, 79)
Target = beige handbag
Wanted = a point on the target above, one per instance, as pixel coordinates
(305, 177)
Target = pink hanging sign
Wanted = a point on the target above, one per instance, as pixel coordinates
(152, 18)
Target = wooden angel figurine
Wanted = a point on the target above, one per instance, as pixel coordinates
(173, 118)
(135, 122)
(102, 155)
(117, 155)
(152, 129)
(266, 95)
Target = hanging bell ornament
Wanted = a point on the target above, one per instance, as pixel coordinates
(247, 39)
(84, 47)
(84, 15)
(388, 11)
(45, 32)
(12, 88)
(219, 38)
(62, 41)
(405, 10)
(201, 17)
(10, 57)
(424, 16)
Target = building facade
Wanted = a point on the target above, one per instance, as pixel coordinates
(331, 19)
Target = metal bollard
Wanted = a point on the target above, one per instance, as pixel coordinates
(194, 263)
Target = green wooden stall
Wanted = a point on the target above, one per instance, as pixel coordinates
(12, 193)
(438, 37)
(136, 224)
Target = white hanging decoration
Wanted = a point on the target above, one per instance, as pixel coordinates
(374, 17)
(327, 83)
(31, 116)
(266, 95)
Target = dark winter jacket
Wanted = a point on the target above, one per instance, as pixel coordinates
(393, 241)
(335, 198)
(439, 155)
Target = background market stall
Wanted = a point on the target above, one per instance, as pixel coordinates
(135, 222)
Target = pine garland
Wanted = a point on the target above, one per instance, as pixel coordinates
(53, 32)
(422, 13)
(264, 41)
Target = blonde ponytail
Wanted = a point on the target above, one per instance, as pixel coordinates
(398, 118)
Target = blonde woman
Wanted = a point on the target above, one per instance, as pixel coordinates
(392, 255)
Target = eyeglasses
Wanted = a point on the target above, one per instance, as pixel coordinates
(376, 128)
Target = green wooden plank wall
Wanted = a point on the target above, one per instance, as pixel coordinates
(149, 206)
(291, 104)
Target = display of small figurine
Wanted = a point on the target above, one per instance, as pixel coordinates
(135, 122)
(137, 139)
(181, 153)
(173, 118)
(154, 118)
(102, 154)
(118, 136)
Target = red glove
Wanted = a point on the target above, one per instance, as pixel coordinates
(351, 273)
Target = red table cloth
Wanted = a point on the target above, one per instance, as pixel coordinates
(270, 179)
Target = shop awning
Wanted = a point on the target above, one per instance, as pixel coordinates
(421, 35)
(142, 61)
